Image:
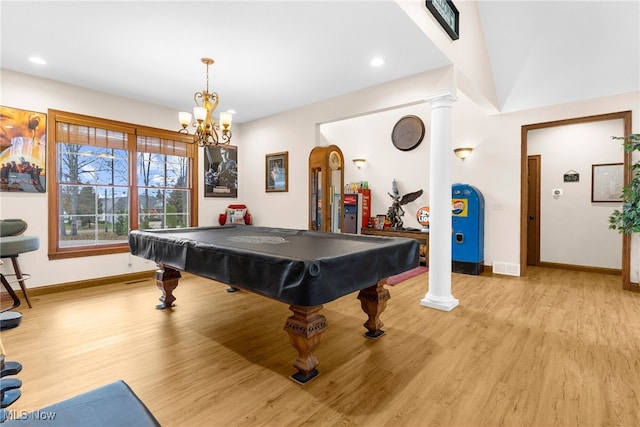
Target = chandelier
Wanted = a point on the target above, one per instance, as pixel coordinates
(208, 132)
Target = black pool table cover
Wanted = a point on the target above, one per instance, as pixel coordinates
(298, 267)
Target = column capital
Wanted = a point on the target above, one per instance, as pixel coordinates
(444, 99)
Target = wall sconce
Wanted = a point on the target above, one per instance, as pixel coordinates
(359, 163)
(463, 152)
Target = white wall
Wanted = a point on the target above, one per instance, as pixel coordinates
(573, 229)
(494, 166)
(359, 125)
(468, 54)
(369, 137)
(300, 130)
(36, 94)
(22, 91)
(511, 123)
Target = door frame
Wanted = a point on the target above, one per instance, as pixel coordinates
(524, 190)
(538, 160)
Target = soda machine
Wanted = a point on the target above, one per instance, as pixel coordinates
(352, 219)
(467, 222)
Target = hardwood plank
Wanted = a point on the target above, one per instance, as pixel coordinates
(554, 348)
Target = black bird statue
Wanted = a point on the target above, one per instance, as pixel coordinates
(395, 212)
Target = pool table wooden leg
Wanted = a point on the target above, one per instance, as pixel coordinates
(373, 301)
(305, 327)
(166, 280)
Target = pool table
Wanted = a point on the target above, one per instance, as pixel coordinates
(304, 269)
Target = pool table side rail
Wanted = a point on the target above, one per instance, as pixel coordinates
(297, 281)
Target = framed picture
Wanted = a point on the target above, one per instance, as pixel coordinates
(23, 150)
(277, 172)
(447, 16)
(221, 171)
(607, 180)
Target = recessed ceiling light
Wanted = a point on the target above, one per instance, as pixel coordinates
(37, 60)
(377, 62)
(231, 111)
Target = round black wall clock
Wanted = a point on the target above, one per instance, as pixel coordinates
(408, 133)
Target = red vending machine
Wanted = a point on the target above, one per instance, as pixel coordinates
(365, 215)
(351, 222)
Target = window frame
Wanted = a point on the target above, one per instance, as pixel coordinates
(133, 131)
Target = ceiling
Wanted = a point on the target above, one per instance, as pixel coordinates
(276, 56)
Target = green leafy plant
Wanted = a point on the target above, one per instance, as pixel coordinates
(627, 219)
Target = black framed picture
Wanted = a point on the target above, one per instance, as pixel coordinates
(221, 171)
(447, 16)
(277, 172)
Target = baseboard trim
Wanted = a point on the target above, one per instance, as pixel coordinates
(585, 268)
(488, 271)
(145, 275)
(81, 284)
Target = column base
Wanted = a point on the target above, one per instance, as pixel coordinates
(439, 303)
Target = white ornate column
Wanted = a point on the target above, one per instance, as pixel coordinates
(439, 294)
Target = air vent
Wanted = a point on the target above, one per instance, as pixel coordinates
(506, 268)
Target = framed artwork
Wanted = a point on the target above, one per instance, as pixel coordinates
(607, 180)
(447, 16)
(23, 150)
(221, 171)
(277, 172)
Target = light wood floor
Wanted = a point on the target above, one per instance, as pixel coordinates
(554, 348)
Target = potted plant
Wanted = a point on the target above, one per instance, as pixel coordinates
(627, 219)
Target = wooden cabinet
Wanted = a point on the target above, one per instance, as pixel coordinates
(420, 236)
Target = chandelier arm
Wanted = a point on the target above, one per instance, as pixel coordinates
(226, 137)
(197, 137)
(220, 138)
(196, 96)
(214, 100)
(213, 133)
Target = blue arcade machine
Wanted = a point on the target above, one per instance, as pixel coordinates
(467, 222)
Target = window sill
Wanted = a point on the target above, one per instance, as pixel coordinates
(84, 252)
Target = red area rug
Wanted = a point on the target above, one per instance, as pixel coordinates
(398, 278)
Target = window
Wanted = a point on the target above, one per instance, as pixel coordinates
(163, 185)
(107, 178)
